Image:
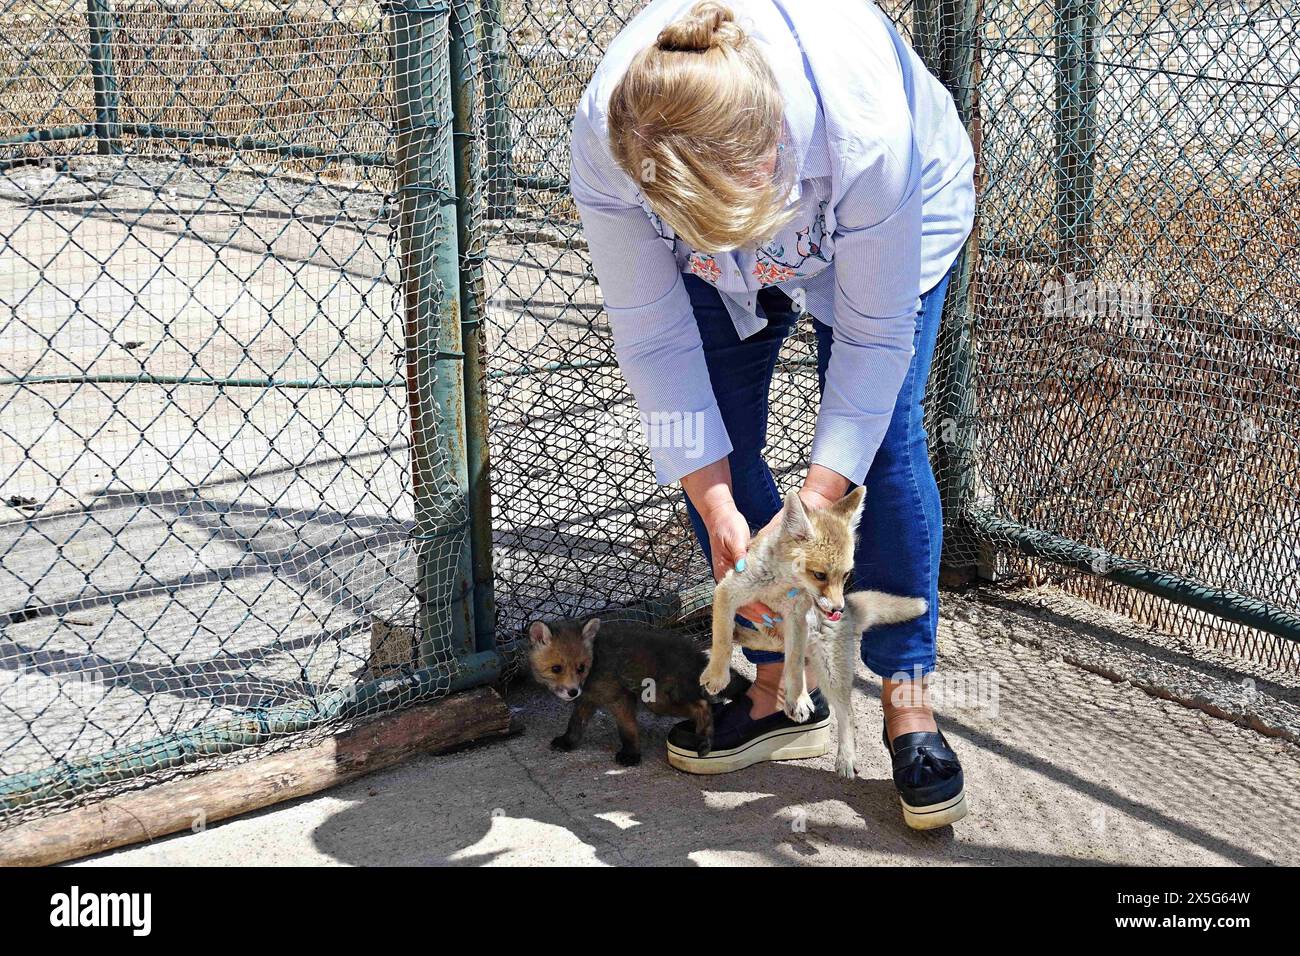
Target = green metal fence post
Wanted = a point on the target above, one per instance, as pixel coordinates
(467, 53)
(946, 35)
(927, 33)
(108, 127)
(1076, 93)
(500, 174)
(430, 280)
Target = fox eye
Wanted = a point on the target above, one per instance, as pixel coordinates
(557, 669)
(819, 575)
(582, 668)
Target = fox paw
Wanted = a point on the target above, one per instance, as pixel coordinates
(801, 709)
(562, 742)
(628, 758)
(844, 766)
(715, 682)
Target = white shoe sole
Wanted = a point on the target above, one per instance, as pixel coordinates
(789, 743)
(936, 814)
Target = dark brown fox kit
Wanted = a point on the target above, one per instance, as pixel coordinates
(615, 667)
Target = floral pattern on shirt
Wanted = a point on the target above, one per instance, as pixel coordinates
(704, 266)
(771, 264)
(770, 274)
(775, 265)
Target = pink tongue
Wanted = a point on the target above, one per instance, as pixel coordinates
(833, 616)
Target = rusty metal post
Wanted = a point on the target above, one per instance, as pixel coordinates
(1076, 134)
(499, 171)
(108, 126)
(946, 36)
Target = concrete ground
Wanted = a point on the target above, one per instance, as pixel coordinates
(1063, 766)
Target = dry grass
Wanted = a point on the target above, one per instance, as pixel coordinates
(286, 78)
(43, 67)
(296, 75)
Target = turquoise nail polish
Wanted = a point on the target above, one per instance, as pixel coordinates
(792, 592)
(740, 565)
(767, 619)
(779, 619)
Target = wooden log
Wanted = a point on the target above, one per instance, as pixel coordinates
(224, 793)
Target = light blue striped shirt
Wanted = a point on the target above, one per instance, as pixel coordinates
(886, 199)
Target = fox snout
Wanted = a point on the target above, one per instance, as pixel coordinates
(831, 602)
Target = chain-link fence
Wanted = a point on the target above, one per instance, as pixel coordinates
(232, 406)
(286, 284)
(1135, 306)
(1115, 386)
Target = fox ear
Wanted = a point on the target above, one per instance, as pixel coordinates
(539, 634)
(850, 506)
(589, 631)
(794, 519)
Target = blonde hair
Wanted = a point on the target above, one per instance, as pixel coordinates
(695, 121)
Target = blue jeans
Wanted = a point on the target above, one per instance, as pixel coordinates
(901, 533)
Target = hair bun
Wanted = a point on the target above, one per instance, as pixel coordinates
(707, 26)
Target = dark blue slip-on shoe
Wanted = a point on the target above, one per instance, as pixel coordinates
(739, 741)
(928, 777)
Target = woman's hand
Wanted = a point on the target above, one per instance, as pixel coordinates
(728, 540)
(821, 489)
(709, 489)
(729, 544)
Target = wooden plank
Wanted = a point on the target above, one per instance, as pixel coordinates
(221, 794)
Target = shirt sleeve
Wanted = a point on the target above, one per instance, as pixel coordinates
(656, 340)
(877, 275)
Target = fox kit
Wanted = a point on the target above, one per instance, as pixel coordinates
(798, 567)
(615, 667)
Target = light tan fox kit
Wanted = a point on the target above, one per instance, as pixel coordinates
(799, 566)
(833, 648)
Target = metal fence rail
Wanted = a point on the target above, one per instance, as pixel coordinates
(308, 403)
